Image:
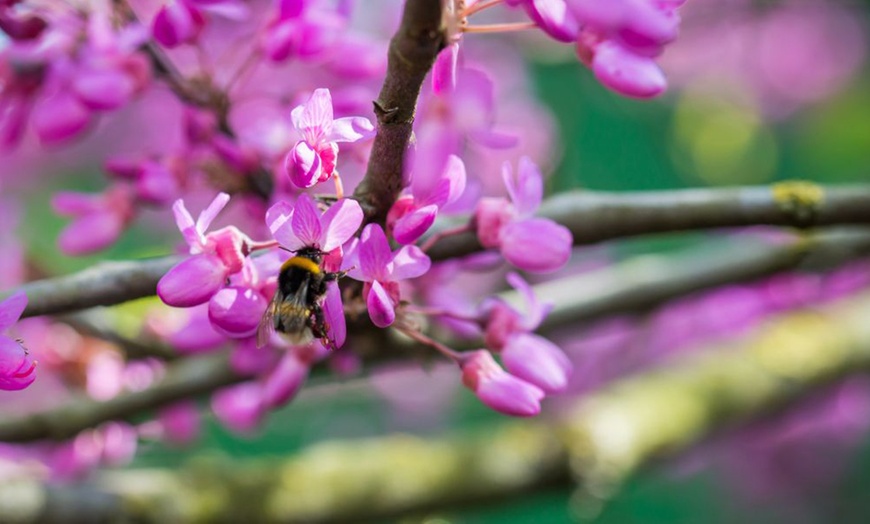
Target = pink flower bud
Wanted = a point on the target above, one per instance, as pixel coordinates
(236, 311)
(177, 23)
(537, 361)
(498, 389)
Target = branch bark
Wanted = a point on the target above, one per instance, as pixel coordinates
(602, 439)
(105, 284)
(412, 52)
(594, 216)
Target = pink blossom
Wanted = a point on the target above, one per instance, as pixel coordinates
(215, 257)
(17, 367)
(303, 225)
(285, 380)
(413, 214)
(297, 31)
(240, 407)
(313, 159)
(180, 422)
(552, 16)
(98, 220)
(497, 388)
(524, 354)
(182, 21)
(373, 262)
(533, 244)
(236, 309)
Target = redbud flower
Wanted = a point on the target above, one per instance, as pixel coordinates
(181, 21)
(381, 269)
(497, 388)
(552, 16)
(98, 220)
(313, 159)
(236, 309)
(215, 256)
(412, 215)
(17, 368)
(297, 31)
(239, 407)
(180, 422)
(532, 244)
(526, 355)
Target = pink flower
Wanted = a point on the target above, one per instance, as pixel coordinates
(297, 31)
(412, 215)
(236, 309)
(180, 422)
(533, 244)
(215, 257)
(526, 355)
(552, 16)
(153, 182)
(620, 39)
(381, 269)
(17, 368)
(497, 388)
(313, 159)
(98, 220)
(182, 21)
(240, 407)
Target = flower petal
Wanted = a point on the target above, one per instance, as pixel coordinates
(208, 214)
(333, 311)
(59, 117)
(536, 244)
(17, 368)
(627, 73)
(285, 380)
(103, 89)
(351, 129)
(90, 233)
(380, 306)
(410, 262)
(303, 165)
(537, 361)
(536, 311)
(411, 226)
(527, 190)
(186, 225)
(236, 311)
(340, 222)
(279, 219)
(192, 281)
(444, 70)
(306, 221)
(374, 253)
(498, 389)
(11, 309)
(315, 118)
(240, 407)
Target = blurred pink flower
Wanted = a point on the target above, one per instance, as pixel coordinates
(497, 388)
(17, 367)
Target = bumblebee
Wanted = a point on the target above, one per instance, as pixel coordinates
(296, 310)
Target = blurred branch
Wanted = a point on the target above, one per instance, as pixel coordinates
(184, 379)
(637, 284)
(591, 216)
(93, 322)
(594, 216)
(104, 284)
(604, 438)
(412, 52)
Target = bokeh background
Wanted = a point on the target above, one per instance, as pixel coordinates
(761, 91)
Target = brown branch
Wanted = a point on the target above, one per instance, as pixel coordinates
(93, 322)
(629, 286)
(412, 52)
(594, 216)
(185, 379)
(591, 216)
(105, 284)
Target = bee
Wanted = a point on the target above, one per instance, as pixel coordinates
(296, 309)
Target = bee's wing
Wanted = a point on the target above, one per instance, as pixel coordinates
(267, 322)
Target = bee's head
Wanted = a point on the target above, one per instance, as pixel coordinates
(312, 253)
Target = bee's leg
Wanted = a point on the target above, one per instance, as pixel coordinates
(319, 327)
(329, 277)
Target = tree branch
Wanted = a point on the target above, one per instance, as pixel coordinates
(597, 216)
(105, 284)
(604, 438)
(629, 286)
(412, 52)
(185, 379)
(592, 217)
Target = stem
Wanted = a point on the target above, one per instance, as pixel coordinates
(458, 230)
(434, 344)
(339, 186)
(251, 61)
(499, 28)
(478, 7)
(266, 244)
